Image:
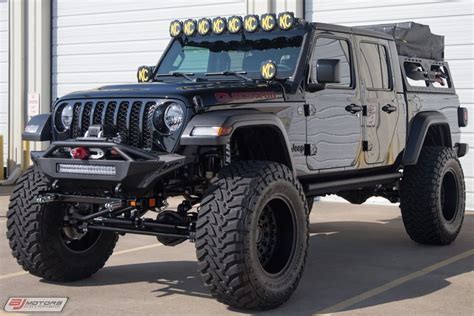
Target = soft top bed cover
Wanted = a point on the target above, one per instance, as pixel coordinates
(413, 39)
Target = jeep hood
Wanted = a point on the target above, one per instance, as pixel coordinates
(211, 93)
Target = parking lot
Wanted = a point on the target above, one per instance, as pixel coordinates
(360, 261)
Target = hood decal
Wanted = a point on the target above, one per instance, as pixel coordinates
(244, 96)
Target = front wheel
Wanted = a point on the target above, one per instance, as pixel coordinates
(432, 197)
(252, 235)
(43, 244)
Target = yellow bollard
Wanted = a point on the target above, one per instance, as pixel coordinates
(2, 173)
(26, 155)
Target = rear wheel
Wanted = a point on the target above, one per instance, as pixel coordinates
(432, 197)
(43, 244)
(252, 235)
(310, 201)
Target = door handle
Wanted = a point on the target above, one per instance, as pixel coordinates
(353, 108)
(389, 108)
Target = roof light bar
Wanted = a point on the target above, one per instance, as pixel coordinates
(286, 20)
(234, 24)
(176, 27)
(251, 23)
(189, 27)
(268, 22)
(218, 25)
(204, 26)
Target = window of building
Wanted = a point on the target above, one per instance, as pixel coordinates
(331, 48)
(374, 66)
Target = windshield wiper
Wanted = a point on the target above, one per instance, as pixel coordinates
(186, 75)
(239, 74)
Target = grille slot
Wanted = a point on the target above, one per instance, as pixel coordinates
(97, 114)
(131, 119)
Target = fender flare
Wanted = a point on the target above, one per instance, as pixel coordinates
(38, 128)
(418, 129)
(233, 119)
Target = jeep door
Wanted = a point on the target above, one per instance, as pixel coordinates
(382, 111)
(333, 133)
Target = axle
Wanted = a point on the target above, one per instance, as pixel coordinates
(117, 215)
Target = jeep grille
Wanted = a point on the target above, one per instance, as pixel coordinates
(131, 118)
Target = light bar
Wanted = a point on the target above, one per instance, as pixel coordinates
(251, 23)
(176, 27)
(286, 20)
(204, 26)
(218, 25)
(268, 22)
(234, 24)
(86, 169)
(189, 27)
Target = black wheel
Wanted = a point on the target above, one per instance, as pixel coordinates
(43, 245)
(252, 235)
(432, 197)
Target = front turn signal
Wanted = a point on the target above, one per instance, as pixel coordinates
(211, 131)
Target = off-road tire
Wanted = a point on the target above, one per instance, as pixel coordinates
(33, 231)
(310, 202)
(227, 235)
(432, 197)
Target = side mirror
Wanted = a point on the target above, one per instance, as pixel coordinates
(324, 71)
(145, 73)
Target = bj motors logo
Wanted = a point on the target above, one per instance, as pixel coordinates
(35, 304)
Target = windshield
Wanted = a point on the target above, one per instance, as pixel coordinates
(204, 55)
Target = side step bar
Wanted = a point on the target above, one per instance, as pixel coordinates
(351, 183)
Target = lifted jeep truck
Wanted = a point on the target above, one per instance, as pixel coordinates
(247, 119)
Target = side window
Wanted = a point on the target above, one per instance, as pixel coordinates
(374, 66)
(331, 48)
(441, 77)
(415, 74)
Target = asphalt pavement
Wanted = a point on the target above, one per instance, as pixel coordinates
(360, 262)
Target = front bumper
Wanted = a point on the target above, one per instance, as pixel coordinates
(135, 168)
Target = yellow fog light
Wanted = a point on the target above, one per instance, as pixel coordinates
(234, 24)
(286, 20)
(268, 70)
(176, 27)
(189, 27)
(218, 25)
(268, 22)
(204, 26)
(251, 23)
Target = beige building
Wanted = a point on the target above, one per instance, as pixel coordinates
(51, 47)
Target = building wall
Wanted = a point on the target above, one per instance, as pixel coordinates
(451, 18)
(103, 42)
(4, 76)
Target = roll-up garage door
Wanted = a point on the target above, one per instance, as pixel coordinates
(103, 42)
(4, 76)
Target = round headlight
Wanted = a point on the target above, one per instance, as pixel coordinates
(174, 117)
(66, 116)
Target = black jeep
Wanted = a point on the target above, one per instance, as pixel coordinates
(248, 119)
